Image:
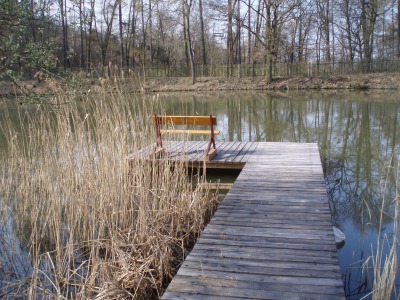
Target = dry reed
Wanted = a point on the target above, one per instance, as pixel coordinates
(384, 261)
(80, 221)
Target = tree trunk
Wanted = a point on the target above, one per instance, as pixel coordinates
(82, 56)
(89, 38)
(368, 19)
(131, 27)
(398, 29)
(229, 60)
(64, 26)
(121, 38)
(203, 43)
(249, 32)
(260, 11)
(191, 54)
(185, 39)
(327, 33)
(151, 50)
(300, 37)
(143, 61)
(269, 44)
(348, 30)
(239, 50)
(109, 20)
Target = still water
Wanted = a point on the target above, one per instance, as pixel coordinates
(359, 147)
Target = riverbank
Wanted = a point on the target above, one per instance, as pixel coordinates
(79, 84)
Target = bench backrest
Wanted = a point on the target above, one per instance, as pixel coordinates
(185, 120)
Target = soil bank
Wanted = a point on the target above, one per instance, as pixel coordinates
(176, 84)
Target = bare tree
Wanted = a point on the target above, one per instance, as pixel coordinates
(229, 41)
(369, 12)
(103, 38)
(398, 29)
(121, 37)
(238, 39)
(202, 37)
(323, 8)
(64, 25)
(186, 5)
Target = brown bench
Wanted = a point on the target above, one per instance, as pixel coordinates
(191, 121)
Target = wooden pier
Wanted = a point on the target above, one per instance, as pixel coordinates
(231, 155)
(272, 236)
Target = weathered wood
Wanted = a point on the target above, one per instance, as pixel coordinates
(272, 236)
(210, 155)
(220, 186)
(185, 120)
(188, 131)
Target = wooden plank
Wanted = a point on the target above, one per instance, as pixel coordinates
(233, 152)
(185, 120)
(244, 157)
(271, 236)
(261, 285)
(243, 151)
(190, 296)
(208, 292)
(245, 219)
(219, 185)
(183, 150)
(223, 154)
(310, 227)
(188, 131)
(217, 239)
(306, 267)
(306, 280)
(197, 152)
(273, 253)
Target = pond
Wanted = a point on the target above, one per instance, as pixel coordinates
(358, 138)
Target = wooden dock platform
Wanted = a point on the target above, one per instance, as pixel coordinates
(272, 236)
(231, 155)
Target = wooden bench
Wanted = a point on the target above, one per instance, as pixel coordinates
(187, 121)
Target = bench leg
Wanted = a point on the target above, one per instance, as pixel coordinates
(211, 153)
(158, 147)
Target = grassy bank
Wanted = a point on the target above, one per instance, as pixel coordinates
(77, 84)
(76, 221)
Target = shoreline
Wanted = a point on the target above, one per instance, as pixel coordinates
(79, 85)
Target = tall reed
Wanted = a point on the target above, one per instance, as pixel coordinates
(385, 267)
(87, 223)
(384, 259)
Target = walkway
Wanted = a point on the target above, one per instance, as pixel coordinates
(271, 237)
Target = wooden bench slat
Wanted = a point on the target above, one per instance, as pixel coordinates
(188, 131)
(185, 120)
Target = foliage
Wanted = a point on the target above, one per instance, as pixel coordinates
(20, 50)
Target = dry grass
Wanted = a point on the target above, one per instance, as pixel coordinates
(384, 261)
(77, 219)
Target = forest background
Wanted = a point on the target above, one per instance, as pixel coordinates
(268, 39)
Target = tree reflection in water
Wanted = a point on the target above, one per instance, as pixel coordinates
(356, 133)
(358, 140)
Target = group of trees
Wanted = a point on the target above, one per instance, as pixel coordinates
(188, 34)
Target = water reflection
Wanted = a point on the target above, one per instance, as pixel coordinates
(358, 140)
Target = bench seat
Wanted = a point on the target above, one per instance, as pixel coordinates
(188, 131)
